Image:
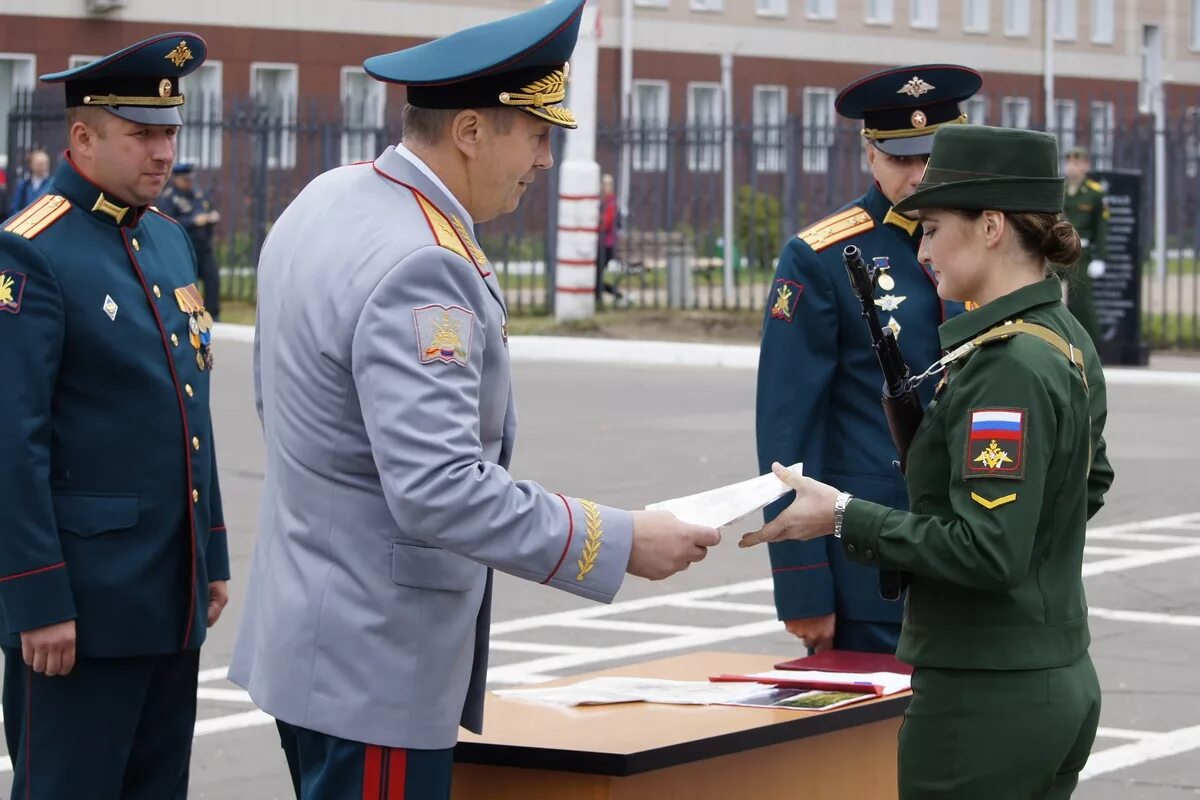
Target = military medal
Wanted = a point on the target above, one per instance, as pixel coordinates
(886, 282)
(890, 302)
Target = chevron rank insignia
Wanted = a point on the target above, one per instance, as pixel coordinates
(444, 334)
(991, 505)
(787, 294)
(995, 444)
(12, 287)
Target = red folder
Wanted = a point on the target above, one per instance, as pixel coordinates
(848, 661)
(831, 685)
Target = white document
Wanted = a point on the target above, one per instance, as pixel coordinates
(600, 691)
(717, 508)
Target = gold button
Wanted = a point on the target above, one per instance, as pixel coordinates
(157, 291)
(174, 340)
(195, 443)
(188, 388)
(195, 496)
(136, 246)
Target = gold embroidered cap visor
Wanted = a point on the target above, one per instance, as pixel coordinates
(139, 83)
(516, 62)
(984, 168)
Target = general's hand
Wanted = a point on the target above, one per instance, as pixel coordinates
(214, 217)
(664, 545)
(218, 597)
(50, 649)
(815, 632)
(810, 515)
(1095, 268)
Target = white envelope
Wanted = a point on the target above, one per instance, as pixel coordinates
(717, 508)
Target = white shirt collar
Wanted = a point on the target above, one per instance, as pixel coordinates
(416, 161)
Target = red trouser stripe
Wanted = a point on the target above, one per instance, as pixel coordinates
(397, 772)
(373, 773)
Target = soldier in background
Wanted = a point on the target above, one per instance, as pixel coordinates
(191, 208)
(1086, 208)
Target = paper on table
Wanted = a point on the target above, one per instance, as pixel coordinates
(600, 691)
(717, 508)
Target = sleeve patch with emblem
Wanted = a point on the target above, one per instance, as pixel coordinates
(787, 294)
(12, 287)
(444, 334)
(995, 444)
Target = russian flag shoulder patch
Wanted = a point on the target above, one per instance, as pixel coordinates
(995, 444)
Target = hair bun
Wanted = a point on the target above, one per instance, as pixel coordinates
(1061, 245)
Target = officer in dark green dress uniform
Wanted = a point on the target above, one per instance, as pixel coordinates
(1087, 209)
(189, 205)
(113, 561)
(1005, 470)
(818, 381)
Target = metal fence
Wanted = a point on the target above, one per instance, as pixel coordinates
(253, 160)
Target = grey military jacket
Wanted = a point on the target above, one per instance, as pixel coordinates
(383, 385)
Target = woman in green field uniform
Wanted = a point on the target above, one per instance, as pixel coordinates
(1003, 474)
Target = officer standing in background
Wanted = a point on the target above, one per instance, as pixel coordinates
(384, 386)
(818, 380)
(191, 208)
(113, 559)
(1086, 209)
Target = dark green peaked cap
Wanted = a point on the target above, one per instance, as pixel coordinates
(980, 167)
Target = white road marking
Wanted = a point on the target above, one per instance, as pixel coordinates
(718, 605)
(631, 626)
(1144, 559)
(1151, 617)
(1163, 745)
(223, 695)
(1125, 733)
(1099, 550)
(538, 647)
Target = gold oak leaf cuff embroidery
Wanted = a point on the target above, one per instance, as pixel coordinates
(592, 539)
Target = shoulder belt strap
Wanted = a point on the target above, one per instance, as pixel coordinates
(1011, 329)
(38, 217)
(836, 228)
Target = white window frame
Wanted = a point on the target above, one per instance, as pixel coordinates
(649, 139)
(1066, 21)
(885, 12)
(977, 109)
(201, 136)
(704, 136)
(770, 135)
(1015, 112)
(281, 151)
(1102, 125)
(923, 14)
(75, 60)
(1194, 26)
(361, 127)
(707, 5)
(777, 9)
(1066, 123)
(820, 9)
(23, 81)
(1017, 17)
(651, 3)
(977, 26)
(819, 121)
(1104, 21)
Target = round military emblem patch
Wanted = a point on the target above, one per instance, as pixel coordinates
(919, 119)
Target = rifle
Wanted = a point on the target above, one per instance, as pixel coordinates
(901, 402)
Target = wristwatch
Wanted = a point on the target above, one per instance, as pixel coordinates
(839, 512)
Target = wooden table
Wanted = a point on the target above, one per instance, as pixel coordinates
(642, 750)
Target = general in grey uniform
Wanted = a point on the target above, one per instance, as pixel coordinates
(383, 383)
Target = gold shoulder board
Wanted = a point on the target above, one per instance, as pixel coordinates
(44, 212)
(1095, 186)
(836, 228)
(441, 228)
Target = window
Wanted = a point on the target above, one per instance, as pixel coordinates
(923, 14)
(976, 109)
(708, 5)
(820, 9)
(200, 136)
(1191, 147)
(771, 8)
(1066, 19)
(977, 16)
(649, 126)
(1195, 24)
(705, 127)
(273, 87)
(17, 71)
(1064, 124)
(819, 130)
(79, 61)
(1103, 21)
(1104, 122)
(1014, 112)
(1016, 17)
(880, 12)
(651, 3)
(770, 126)
(363, 101)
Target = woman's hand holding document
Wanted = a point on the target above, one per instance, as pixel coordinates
(717, 508)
